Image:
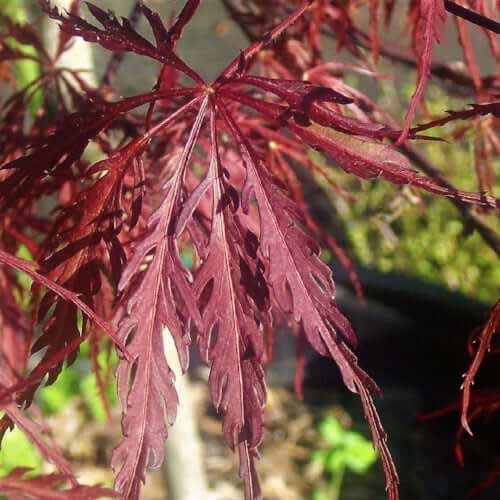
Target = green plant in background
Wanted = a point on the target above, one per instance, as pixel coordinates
(342, 450)
(26, 71)
(18, 451)
(25, 282)
(75, 381)
(392, 229)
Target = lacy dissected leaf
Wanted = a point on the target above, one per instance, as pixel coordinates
(60, 334)
(18, 485)
(15, 331)
(97, 211)
(304, 101)
(12, 120)
(27, 268)
(430, 28)
(145, 383)
(300, 95)
(302, 286)
(175, 32)
(75, 265)
(58, 356)
(167, 39)
(285, 150)
(58, 152)
(122, 37)
(55, 154)
(363, 158)
(242, 63)
(31, 428)
(231, 340)
(491, 327)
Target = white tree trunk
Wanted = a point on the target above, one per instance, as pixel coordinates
(79, 56)
(184, 469)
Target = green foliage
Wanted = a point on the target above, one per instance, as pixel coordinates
(90, 393)
(56, 397)
(342, 450)
(75, 381)
(17, 451)
(23, 280)
(403, 231)
(26, 71)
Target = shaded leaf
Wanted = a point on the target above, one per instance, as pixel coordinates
(47, 487)
(231, 340)
(430, 28)
(302, 286)
(145, 383)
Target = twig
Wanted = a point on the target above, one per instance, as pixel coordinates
(183, 466)
(472, 17)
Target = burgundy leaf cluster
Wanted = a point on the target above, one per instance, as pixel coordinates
(209, 170)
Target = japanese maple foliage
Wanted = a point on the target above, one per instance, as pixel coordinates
(208, 168)
(18, 483)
